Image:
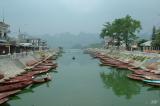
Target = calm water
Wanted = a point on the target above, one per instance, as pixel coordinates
(82, 82)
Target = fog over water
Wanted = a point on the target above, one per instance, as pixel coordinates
(57, 16)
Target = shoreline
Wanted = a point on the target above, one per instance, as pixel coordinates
(138, 59)
(13, 83)
(145, 68)
(13, 65)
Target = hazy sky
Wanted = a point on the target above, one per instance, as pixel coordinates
(57, 16)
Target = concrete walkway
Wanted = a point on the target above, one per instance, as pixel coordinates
(11, 66)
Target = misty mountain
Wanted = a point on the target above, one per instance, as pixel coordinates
(69, 40)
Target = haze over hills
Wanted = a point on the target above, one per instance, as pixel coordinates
(69, 40)
(81, 40)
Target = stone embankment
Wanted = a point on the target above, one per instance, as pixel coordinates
(135, 58)
(20, 71)
(13, 65)
(144, 66)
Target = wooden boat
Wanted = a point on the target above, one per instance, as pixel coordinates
(42, 80)
(104, 59)
(16, 86)
(3, 100)
(44, 71)
(101, 64)
(154, 84)
(122, 66)
(131, 76)
(48, 64)
(36, 72)
(147, 77)
(40, 68)
(137, 75)
(73, 58)
(96, 55)
(17, 80)
(132, 68)
(44, 67)
(1, 76)
(152, 77)
(32, 73)
(53, 67)
(101, 56)
(112, 61)
(31, 63)
(115, 63)
(48, 61)
(142, 72)
(107, 64)
(25, 77)
(6, 94)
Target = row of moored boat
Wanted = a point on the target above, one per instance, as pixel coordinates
(14, 85)
(147, 76)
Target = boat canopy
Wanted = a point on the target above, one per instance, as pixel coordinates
(148, 43)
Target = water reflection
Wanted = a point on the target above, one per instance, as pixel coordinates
(26, 90)
(78, 84)
(153, 89)
(5, 104)
(14, 97)
(29, 89)
(116, 80)
(47, 85)
(37, 85)
(80, 59)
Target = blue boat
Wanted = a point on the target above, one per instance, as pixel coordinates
(152, 81)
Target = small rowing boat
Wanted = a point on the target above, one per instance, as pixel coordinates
(42, 79)
(152, 81)
(3, 100)
(132, 76)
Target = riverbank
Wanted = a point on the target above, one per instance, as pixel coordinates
(82, 82)
(13, 65)
(30, 66)
(137, 59)
(144, 66)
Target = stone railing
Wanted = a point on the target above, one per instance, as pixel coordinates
(138, 53)
(4, 56)
(16, 55)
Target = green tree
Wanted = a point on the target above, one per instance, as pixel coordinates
(122, 29)
(108, 31)
(156, 41)
(112, 30)
(129, 29)
(153, 33)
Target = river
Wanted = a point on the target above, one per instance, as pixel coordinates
(82, 82)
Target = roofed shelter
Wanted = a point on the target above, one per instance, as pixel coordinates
(147, 47)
